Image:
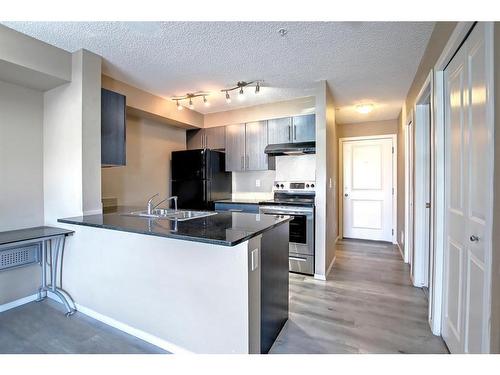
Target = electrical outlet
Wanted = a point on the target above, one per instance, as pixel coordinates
(257, 183)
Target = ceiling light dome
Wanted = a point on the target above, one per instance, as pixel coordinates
(364, 108)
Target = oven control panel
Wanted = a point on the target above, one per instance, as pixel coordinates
(295, 186)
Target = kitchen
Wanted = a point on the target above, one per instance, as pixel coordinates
(147, 157)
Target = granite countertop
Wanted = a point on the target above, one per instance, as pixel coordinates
(224, 228)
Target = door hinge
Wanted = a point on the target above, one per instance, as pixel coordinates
(393, 149)
(392, 191)
(392, 232)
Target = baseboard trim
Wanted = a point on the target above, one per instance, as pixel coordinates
(152, 339)
(18, 302)
(400, 251)
(331, 265)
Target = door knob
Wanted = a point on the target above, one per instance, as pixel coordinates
(474, 238)
(346, 195)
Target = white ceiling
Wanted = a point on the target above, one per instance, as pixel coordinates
(362, 61)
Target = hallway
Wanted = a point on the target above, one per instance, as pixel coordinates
(367, 306)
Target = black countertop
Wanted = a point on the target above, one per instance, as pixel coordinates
(224, 228)
(18, 235)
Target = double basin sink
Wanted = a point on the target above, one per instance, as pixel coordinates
(169, 214)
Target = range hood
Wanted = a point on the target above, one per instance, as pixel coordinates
(300, 148)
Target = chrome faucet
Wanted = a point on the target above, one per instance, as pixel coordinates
(150, 207)
(150, 203)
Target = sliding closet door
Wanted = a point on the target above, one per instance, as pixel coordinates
(468, 184)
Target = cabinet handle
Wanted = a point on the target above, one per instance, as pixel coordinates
(247, 162)
(289, 132)
(235, 210)
(242, 163)
(294, 132)
(474, 238)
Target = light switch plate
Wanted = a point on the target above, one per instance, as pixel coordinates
(254, 256)
(257, 183)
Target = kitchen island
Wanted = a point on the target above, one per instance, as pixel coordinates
(216, 284)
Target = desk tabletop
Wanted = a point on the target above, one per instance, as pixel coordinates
(13, 236)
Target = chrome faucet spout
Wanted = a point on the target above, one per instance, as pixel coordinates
(150, 207)
(174, 198)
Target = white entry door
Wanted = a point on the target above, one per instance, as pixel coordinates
(368, 189)
(468, 197)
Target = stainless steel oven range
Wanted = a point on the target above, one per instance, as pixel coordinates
(296, 198)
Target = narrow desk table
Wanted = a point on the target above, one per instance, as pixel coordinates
(43, 245)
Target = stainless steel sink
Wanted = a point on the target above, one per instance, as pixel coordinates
(169, 214)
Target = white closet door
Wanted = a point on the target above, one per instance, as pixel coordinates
(468, 164)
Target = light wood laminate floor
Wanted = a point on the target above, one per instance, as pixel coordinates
(367, 305)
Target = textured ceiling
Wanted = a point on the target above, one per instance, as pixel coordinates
(362, 61)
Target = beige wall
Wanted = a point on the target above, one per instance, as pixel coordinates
(21, 179)
(143, 104)
(495, 308)
(326, 181)
(149, 147)
(286, 108)
(439, 37)
(367, 128)
(401, 124)
(332, 201)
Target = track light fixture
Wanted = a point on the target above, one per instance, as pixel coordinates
(239, 86)
(190, 96)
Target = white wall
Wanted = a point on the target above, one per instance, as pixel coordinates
(21, 178)
(195, 296)
(148, 169)
(69, 129)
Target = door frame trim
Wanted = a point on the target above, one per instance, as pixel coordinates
(394, 139)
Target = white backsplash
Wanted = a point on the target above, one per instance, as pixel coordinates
(288, 168)
(296, 168)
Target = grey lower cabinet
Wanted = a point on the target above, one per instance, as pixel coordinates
(292, 129)
(211, 138)
(245, 144)
(113, 128)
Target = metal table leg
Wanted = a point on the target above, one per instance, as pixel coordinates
(55, 267)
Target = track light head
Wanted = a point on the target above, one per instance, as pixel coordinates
(228, 98)
(257, 88)
(191, 105)
(205, 101)
(179, 107)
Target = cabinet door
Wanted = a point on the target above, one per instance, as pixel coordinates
(235, 148)
(304, 128)
(113, 128)
(256, 142)
(215, 138)
(279, 130)
(195, 139)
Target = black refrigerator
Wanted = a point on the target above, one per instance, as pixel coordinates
(199, 178)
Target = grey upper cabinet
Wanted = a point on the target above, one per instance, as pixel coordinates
(215, 138)
(194, 139)
(279, 130)
(113, 128)
(304, 128)
(235, 148)
(211, 138)
(255, 143)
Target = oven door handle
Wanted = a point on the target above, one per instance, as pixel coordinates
(283, 213)
(298, 259)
